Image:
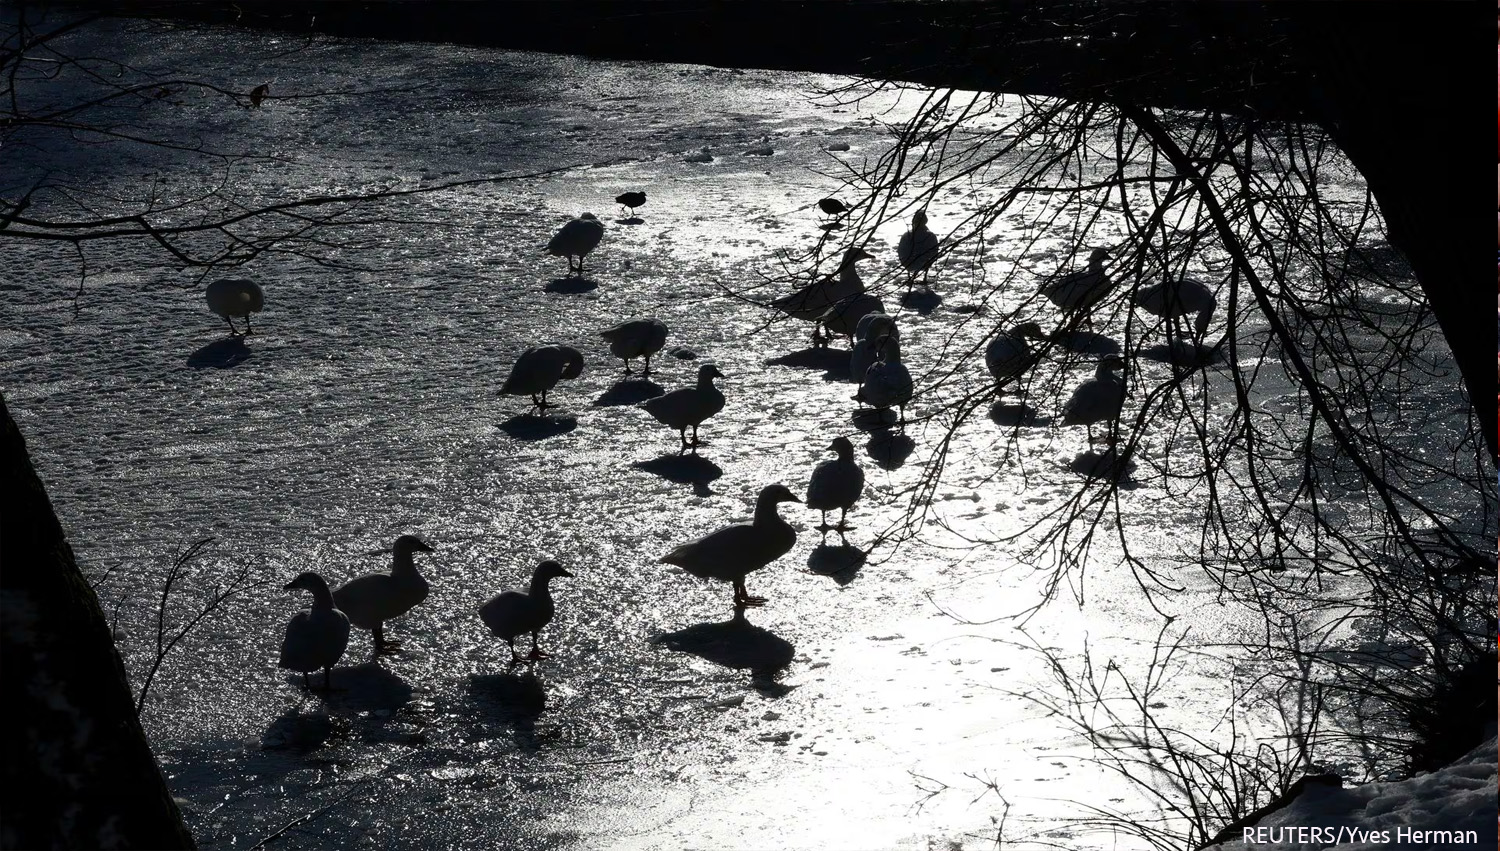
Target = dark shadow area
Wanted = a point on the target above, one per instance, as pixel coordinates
(833, 362)
(873, 419)
(1087, 343)
(510, 699)
(1182, 353)
(629, 391)
(735, 643)
(889, 450)
(298, 731)
(365, 688)
(682, 353)
(840, 563)
(1012, 414)
(220, 354)
(830, 226)
(533, 427)
(1104, 465)
(571, 285)
(921, 299)
(684, 469)
(633, 220)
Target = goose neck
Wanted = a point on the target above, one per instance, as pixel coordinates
(540, 588)
(766, 514)
(404, 565)
(322, 597)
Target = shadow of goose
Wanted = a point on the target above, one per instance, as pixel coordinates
(633, 220)
(735, 643)
(571, 286)
(509, 698)
(889, 450)
(873, 419)
(629, 391)
(1104, 465)
(921, 299)
(840, 563)
(833, 362)
(1086, 343)
(1182, 353)
(294, 730)
(684, 469)
(367, 687)
(533, 427)
(220, 354)
(1012, 414)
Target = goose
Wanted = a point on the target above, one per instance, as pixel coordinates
(918, 248)
(577, 238)
(843, 318)
(735, 551)
(1173, 300)
(631, 200)
(636, 338)
(375, 598)
(538, 370)
(1099, 399)
(887, 382)
(867, 343)
(231, 297)
(689, 406)
(1008, 355)
(836, 484)
(1080, 291)
(315, 638)
(832, 207)
(512, 613)
(809, 303)
(258, 94)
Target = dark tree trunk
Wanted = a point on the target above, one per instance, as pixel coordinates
(79, 772)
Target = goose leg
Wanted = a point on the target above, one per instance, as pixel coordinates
(383, 647)
(743, 598)
(233, 332)
(305, 684)
(247, 325)
(328, 678)
(536, 652)
(843, 519)
(647, 371)
(627, 365)
(695, 437)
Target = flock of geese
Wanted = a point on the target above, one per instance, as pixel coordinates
(836, 305)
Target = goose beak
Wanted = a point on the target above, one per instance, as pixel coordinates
(290, 586)
(563, 571)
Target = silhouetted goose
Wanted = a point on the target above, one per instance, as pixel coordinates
(918, 248)
(809, 303)
(733, 552)
(631, 200)
(1080, 291)
(688, 407)
(1173, 300)
(1008, 355)
(867, 343)
(1099, 399)
(636, 338)
(832, 207)
(258, 94)
(375, 598)
(873, 325)
(836, 484)
(315, 638)
(843, 318)
(231, 297)
(538, 370)
(512, 613)
(887, 383)
(576, 239)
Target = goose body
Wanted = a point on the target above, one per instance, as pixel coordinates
(538, 370)
(688, 407)
(514, 613)
(576, 239)
(1173, 300)
(231, 297)
(918, 247)
(315, 638)
(1008, 355)
(887, 383)
(631, 200)
(635, 339)
(832, 207)
(837, 483)
(1099, 399)
(732, 553)
(843, 318)
(1081, 290)
(371, 600)
(868, 334)
(812, 301)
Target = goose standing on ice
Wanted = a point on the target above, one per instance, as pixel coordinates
(375, 598)
(843, 318)
(635, 339)
(809, 303)
(689, 406)
(1008, 355)
(733, 552)
(1173, 300)
(1099, 399)
(513, 613)
(836, 484)
(833, 208)
(868, 333)
(315, 638)
(631, 200)
(538, 370)
(576, 239)
(887, 382)
(1081, 291)
(917, 249)
(231, 297)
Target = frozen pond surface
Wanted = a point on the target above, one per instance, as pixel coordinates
(366, 405)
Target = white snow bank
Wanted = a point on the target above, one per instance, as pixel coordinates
(1450, 802)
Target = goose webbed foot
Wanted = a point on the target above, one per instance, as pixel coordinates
(537, 654)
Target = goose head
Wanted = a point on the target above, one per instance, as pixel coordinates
(306, 581)
(1097, 257)
(707, 373)
(919, 220)
(1028, 329)
(550, 569)
(590, 216)
(842, 447)
(408, 544)
(777, 494)
(1108, 364)
(855, 253)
